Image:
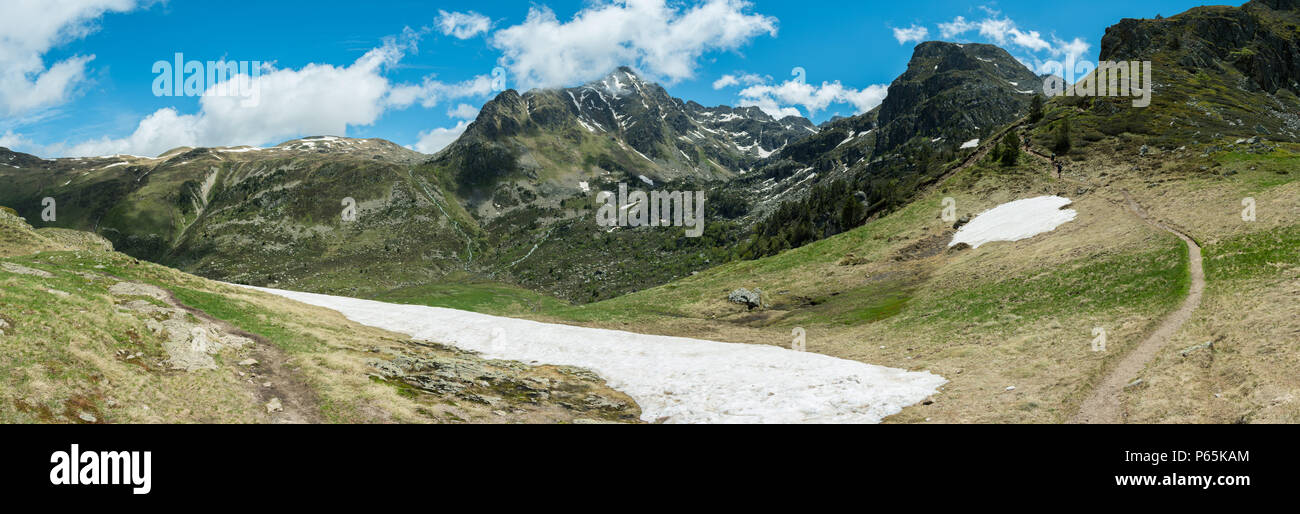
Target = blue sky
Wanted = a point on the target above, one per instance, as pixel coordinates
(76, 76)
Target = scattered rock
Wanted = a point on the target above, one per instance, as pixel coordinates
(24, 270)
(87, 417)
(56, 292)
(248, 362)
(1011, 388)
(134, 289)
(1134, 383)
(1203, 346)
(274, 406)
(750, 299)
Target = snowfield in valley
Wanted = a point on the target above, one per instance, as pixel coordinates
(1013, 221)
(677, 380)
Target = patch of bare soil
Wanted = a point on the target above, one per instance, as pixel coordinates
(925, 248)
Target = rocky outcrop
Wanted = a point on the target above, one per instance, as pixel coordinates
(189, 342)
(956, 92)
(1258, 39)
(503, 386)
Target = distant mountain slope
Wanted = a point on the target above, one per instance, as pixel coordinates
(513, 198)
(255, 215)
(620, 128)
(950, 97)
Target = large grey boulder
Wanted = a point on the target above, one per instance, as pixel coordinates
(750, 299)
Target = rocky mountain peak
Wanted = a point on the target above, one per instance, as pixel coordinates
(955, 92)
(1277, 5)
(634, 124)
(621, 82)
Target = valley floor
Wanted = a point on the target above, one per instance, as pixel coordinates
(1013, 325)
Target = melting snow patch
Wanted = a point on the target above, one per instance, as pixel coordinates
(1021, 219)
(970, 144)
(675, 379)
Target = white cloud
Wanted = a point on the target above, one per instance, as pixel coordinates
(435, 140)
(915, 33)
(317, 99)
(747, 79)
(12, 140)
(464, 112)
(779, 100)
(956, 27)
(431, 92)
(31, 28)
(463, 25)
(666, 42)
(1004, 31)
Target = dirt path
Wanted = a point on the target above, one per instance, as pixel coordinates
(271, 378)
(1055, 167)
(1103, 405)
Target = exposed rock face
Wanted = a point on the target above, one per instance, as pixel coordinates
(1258, 39)
(949, 94)
(629, 126)
(955, 91)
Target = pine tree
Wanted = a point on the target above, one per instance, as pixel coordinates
(1062, 144)
(1009, 150)
(850, 213)
(1036, 109)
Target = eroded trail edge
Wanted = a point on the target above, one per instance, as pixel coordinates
(1103, 405)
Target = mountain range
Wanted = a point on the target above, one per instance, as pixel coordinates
(838, 231)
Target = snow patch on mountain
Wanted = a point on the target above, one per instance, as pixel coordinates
(1014, 221)
(673, 379)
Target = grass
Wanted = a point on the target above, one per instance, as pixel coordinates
(1254, 255)
(65, 355)
(1155, 278)
(1260, 172)
(858, 306)
(249, 318)
(72, 348)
